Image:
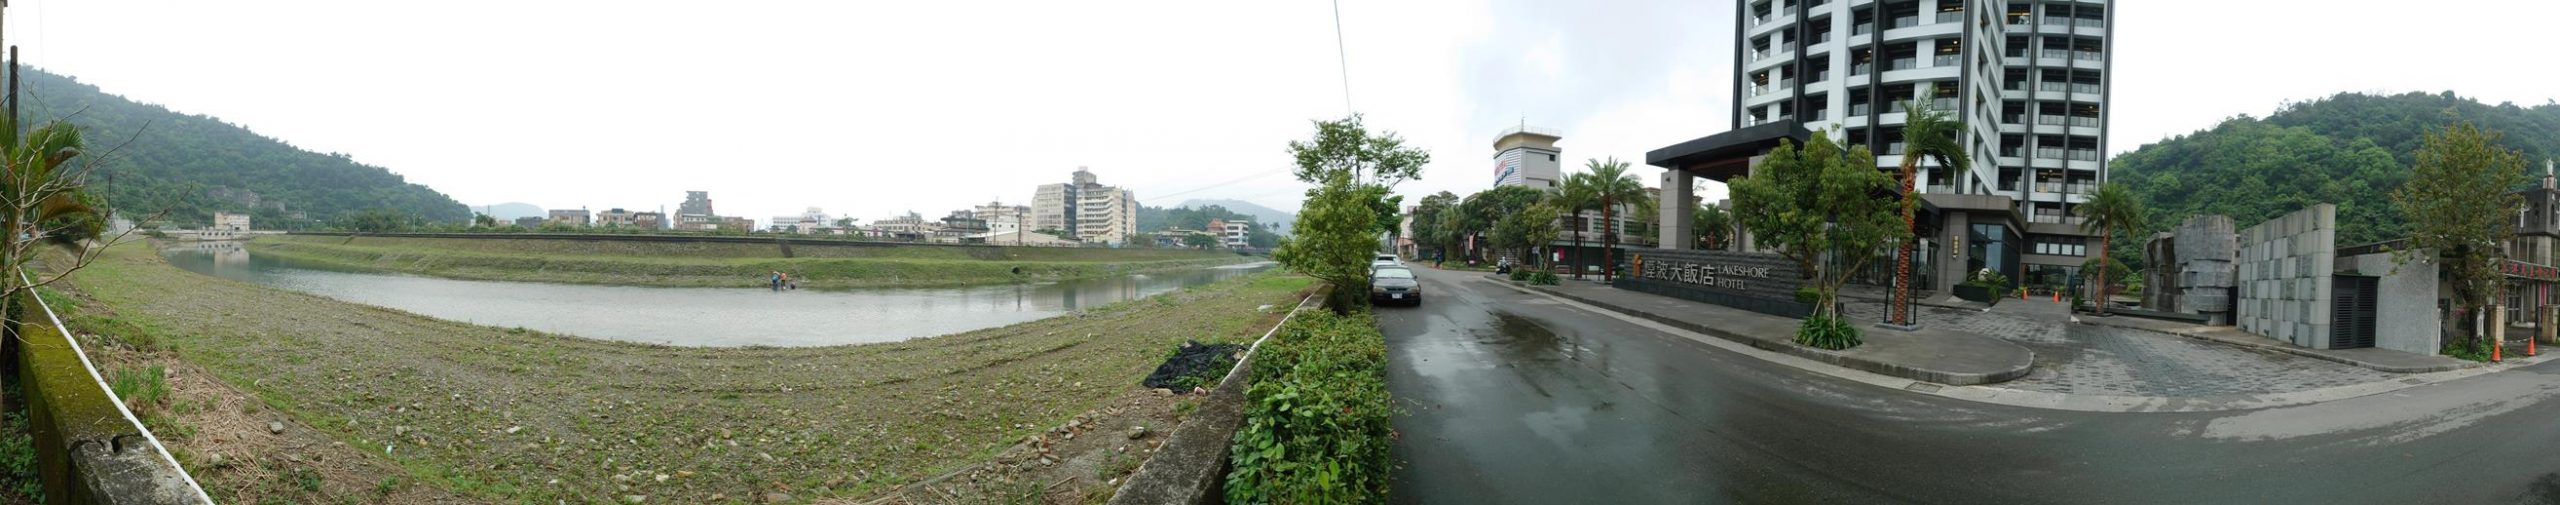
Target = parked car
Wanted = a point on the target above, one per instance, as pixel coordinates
(1386, 260)
(1394, 284)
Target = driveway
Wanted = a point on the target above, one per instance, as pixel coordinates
(1515, 398)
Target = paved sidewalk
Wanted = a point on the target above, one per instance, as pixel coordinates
(1932, 355)
(2377, 359)
(2084, 359)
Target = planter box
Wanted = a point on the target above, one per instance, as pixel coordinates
(1977, 293)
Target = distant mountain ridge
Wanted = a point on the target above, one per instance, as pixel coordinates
(194, 165)
(2350, 149)
(1275, 219)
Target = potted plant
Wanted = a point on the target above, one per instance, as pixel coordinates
(1985, 285)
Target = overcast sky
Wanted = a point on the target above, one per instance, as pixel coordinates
(873, 108)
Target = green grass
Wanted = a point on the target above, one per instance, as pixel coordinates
(19, 482)
(688, 265)
(823, 421)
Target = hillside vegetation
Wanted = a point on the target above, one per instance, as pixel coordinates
(195, 165)
(2350, 149)
(682, 264)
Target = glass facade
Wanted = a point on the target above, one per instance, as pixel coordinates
(1991, 246)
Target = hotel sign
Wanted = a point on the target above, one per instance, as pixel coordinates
(1722, 276)
(1758, 282)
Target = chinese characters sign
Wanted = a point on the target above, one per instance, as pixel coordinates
(1723, 276)
(2531, 271)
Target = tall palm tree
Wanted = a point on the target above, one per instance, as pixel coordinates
(1927, 134)
(1715, 226)
(1611, 182)
(1578, 194)
(2110, 208)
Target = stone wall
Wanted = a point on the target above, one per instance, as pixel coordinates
(2405, 317)
(2208, 253)
(2284, 276)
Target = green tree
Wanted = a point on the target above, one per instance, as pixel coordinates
(1611, 182)
(2108, 209)
(381, 220)
(1333, 241)
(1200, 241)
(1374, 163)
(1481, 212)
(48, 206)
(1817, 206)
(2460, 206)
(1429, 229)
(483, 221)
(1715, 226)
(1581, 191)
(1927, 134)
(1524, 231)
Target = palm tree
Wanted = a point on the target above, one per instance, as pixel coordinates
(1611, 182)
(2108, 209)
(1578, 194)
(1714, 226)
(1927, 134)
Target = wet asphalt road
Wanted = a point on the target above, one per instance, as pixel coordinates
(1514, 398)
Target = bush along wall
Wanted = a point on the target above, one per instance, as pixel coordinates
(1317, 424)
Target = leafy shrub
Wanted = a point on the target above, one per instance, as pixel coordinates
(1317, 424)
(1991, 280)
(1827, 333)
(2458, 349)
(1543, 278)
(1808, 295)
(1519, 274)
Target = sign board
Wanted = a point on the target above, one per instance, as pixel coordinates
(2525, 270)
(1757, 282)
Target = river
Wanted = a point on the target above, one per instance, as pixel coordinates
(716, 317)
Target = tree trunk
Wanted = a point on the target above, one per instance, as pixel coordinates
(2099, 303)
(1608, 240)
(1901, 309)
(1578, 260)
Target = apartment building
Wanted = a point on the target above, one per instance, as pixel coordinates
(1003, 218)
(1053, 206)
(568, 217)
(2029, 78)
(617, 218)
(1106, 215)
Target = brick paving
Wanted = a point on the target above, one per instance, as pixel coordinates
(2099, 360)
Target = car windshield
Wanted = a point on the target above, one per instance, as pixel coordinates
(1394, 273)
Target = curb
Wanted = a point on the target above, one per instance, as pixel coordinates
(1828, 357)
(2307, 353)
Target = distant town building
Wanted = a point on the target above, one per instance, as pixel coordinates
(1232, 233)
(529, 221)
(1003, 218)
(1053, 207)
(806, 222)
(735, 223)
(911, 226)
(616, 218)
(649, 220)
(696, 222)
(1107, 215)
(230, 222)
(696, 202)
(568, 217)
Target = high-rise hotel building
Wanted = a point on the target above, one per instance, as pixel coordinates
(2029, 78)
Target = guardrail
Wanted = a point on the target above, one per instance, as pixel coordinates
(89, 447)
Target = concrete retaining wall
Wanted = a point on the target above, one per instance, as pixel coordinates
(88, 448)
(2405, 317)
(1191, 468)
(2284, 276)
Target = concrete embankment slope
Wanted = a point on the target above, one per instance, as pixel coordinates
(684, 261)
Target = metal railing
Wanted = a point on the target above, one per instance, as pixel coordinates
(1944, 60)
(2084, 121)
(1951, 17)
(2049, 120)
(1901, 64)
(1863, 29)
(2084, 154)
(2082, 87)
(1903, 22)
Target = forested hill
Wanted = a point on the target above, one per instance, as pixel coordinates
(2350, 149)
(194, 165)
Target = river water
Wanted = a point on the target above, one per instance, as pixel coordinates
(719, 317)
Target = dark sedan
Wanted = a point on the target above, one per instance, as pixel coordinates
(1394, 285)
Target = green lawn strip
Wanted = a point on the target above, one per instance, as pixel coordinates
(681, 271)
(502, 413)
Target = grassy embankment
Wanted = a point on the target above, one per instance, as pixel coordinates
(721, 264)
(512, 415)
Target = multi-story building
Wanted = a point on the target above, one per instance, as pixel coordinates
(1231, 233)
(1053, 206)
(1526, 156)
(695, 202)
(806, 222)
(697, 222)
(649, 220)
(1106, 215)
(568, 217)
(2029, 79)
(1003, 218)
(735, 223)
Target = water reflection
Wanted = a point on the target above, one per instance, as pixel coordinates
(698, 316)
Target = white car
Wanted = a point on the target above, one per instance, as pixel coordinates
(1386, 260)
